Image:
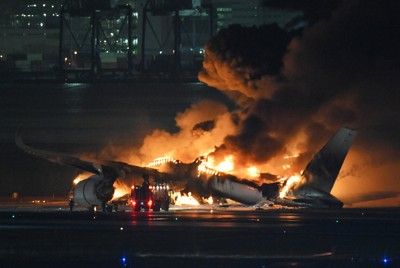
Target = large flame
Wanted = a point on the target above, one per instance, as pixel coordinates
(183, 199)
(209, 200)
(209, 166)
(203, 168)
(121, 189)
(289, 184)
(253, 172)
(82, 176)
(226, 165)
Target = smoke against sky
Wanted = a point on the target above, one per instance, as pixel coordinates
(341, 71)
(245, 59)
(293, 90)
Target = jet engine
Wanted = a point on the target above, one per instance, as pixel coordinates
(94, 191)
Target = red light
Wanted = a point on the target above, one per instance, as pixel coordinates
(150, 187)
(150, 203)
(133, 202)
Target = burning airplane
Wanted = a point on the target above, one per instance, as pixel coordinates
(311, 189)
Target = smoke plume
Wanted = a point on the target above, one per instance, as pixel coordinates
(340, 71)
(295, 89)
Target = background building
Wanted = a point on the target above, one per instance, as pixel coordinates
(97, 37)
(29, 34)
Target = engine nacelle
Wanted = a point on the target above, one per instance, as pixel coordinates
(93, 191)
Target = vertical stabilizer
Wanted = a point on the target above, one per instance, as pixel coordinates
(322, 170)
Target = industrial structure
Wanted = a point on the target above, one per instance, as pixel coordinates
(95, 36)
(79, 39)
(101, 38)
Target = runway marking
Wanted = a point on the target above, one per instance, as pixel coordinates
(236, 256)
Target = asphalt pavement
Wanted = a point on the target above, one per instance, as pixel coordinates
(49, 235)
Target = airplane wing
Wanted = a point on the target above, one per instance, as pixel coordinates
(110, 169)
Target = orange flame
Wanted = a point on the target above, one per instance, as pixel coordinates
(226, 165)
(208, 165)
(181, 200)
(208, 200)
(121, 189)
(289, 184)
(253, 172)
(81, 177)
(161, 160)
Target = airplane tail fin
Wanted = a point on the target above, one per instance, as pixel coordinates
(322, 170)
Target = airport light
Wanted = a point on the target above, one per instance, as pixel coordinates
(123, 261)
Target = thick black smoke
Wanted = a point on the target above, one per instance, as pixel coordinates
(295, 91)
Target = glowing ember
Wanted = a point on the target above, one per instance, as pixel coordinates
(289, 184)
(181, 200)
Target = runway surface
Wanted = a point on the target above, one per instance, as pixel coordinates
(48, 235)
